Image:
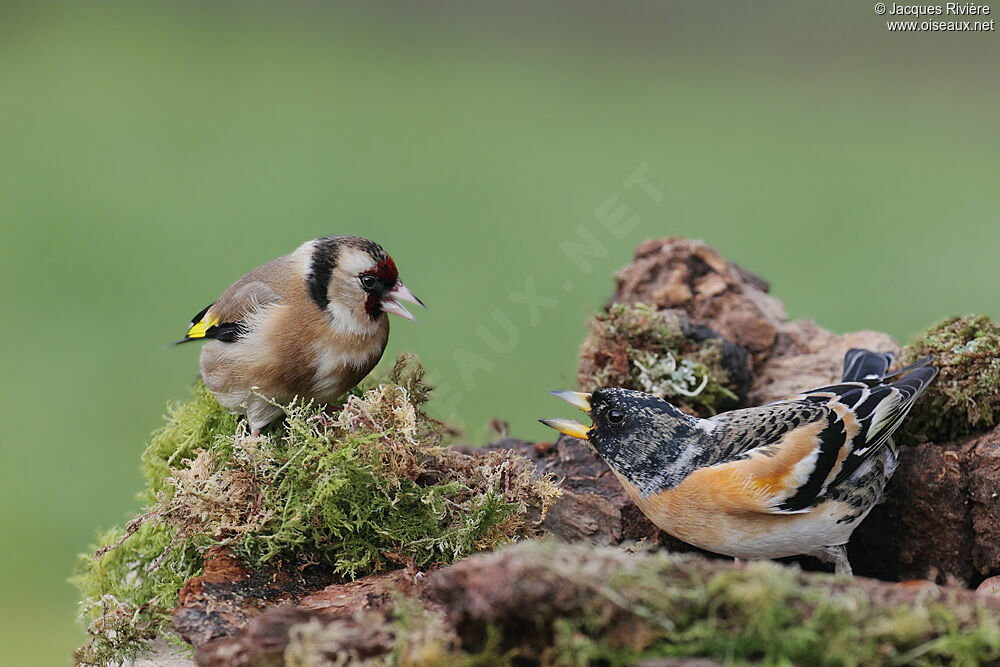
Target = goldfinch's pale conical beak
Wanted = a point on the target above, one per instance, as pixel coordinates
(570, 427)
(391, 301)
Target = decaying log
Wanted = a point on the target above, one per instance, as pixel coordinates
(264, 639)
(512, 598)
(691, 276)
(238, 617)
(517, 590)
(228, 594)
(941, 517)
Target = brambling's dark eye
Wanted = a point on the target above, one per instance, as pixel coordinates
(368, 282)
(615, 417)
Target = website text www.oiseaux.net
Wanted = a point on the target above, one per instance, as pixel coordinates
(947, 17)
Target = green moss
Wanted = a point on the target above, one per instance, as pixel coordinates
(619, 609)
(771, 614)
(190, 426)
(638, 347)
(965, 398)
(351, 488)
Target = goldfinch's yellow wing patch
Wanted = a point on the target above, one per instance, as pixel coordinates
(198, 329)
(209, 323)
(201, 323)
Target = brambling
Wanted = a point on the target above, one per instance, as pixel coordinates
(310, 324)
(788, 478)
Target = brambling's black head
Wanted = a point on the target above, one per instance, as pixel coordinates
(642, 437)
(352, 277)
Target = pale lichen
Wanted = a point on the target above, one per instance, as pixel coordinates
(661, 353)
(662, 376)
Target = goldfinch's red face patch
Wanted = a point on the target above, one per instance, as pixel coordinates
(377, 282)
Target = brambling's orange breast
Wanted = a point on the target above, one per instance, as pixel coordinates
(715, 509)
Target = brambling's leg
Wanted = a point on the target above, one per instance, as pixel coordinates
(838, 556)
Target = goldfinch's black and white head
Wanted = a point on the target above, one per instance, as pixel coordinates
(355, 282)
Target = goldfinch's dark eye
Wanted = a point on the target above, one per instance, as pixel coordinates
(615, 417)
(368, 282)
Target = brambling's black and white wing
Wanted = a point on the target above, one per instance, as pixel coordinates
(878, 404)
(792, 452)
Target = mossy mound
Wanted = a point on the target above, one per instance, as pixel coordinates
(355, 489)
(965, 398)
(660, 353)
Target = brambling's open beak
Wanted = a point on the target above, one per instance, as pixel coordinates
(391, 301)
(571, 427)
(577, 399)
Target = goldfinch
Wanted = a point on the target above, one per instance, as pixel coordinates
(310, 324)
(792, 477)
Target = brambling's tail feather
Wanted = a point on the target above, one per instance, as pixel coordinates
(919, 363)
(880, 411)
(860, 364)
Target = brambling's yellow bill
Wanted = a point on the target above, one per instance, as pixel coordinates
(569, 427)
(577, 399)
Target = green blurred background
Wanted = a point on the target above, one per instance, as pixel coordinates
(153, 152)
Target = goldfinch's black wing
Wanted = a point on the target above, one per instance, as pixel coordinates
(225, 320)
(799, 448)
(209, 325)
(197, 328)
